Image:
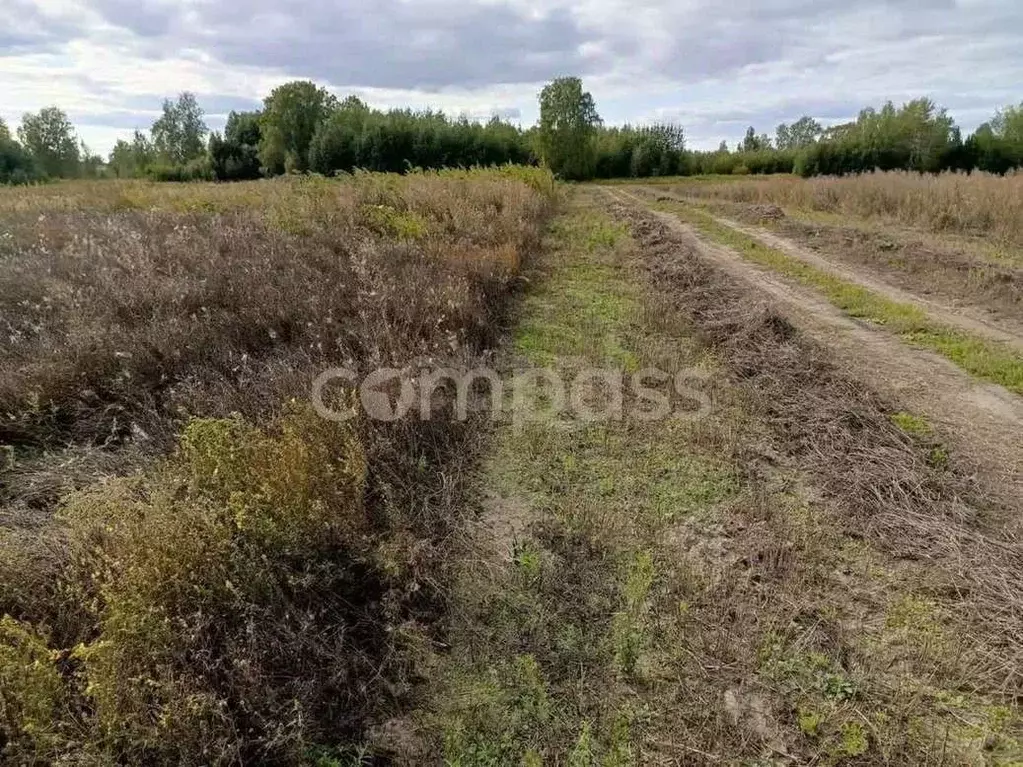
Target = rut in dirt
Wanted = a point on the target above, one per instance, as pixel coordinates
(982, 423)
(830, 399)
(968, 318)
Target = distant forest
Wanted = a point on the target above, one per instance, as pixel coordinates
(304, 128)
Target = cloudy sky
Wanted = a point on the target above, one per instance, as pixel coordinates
(713, 66)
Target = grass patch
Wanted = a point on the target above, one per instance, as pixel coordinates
(584, 310)
(678, 601)
(587, 587)
(195, 566)
(914, 425)
(984, 359)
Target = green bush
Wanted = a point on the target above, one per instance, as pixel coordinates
(199, 169)
(216, 583)
(31, 695)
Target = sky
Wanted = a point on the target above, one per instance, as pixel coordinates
(713, 67)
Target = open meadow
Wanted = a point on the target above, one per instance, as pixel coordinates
(797, 543)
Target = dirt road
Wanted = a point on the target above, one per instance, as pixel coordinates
(969, 318)
(982, 421)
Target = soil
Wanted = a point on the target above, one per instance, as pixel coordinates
(983, 421)
(962, 288)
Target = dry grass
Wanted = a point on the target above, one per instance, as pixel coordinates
(979, 203)
(192, 569)
(950, 648)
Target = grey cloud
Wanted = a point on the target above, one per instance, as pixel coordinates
(123, 120)
(713, 67)
(431, 45)
(31, 30)
(148, 19)
(508, 113)
(390, 44)
(211, 105)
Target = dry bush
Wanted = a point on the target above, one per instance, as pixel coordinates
(262, 591)
(979, 203)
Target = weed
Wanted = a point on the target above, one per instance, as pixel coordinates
(810, 721)
(914, 425)
(628, 628)
(854, 739)
(198, 569)
(974, 203)
(582, 754)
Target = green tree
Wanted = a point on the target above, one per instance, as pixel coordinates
(91, 164)
(801, 133)
(751, 142)
(338, 141)
(236, 155)
(291, 115)
(568, 126)
(1008, 124)
(179, 134)
(51, 140)
(16, 165)
(129, 159)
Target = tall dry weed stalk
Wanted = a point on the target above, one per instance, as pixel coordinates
(977, 204)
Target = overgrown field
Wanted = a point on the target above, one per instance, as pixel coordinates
(195, 568)
(978, 203)
(805, 573)
(810, 555)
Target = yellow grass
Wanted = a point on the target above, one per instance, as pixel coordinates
(980, 203)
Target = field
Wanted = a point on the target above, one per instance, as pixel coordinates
(195, 567)
(799, 544)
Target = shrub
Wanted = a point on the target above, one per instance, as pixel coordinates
(261, 587)
(211, 577)
(31, 695)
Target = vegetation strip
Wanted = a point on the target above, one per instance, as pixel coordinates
(196, 567)
(659, 593)
(579, 578)
(984, 359)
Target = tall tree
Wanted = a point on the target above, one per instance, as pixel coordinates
(801, 133)
(568, 125)
(236, 155)
(16, 165)
(1008, 124)
(179, 134)
(751, 142)
(130, 159)
(291, 114)
(51, 140)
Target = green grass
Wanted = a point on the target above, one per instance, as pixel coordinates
(585, 311)
(984, 359)
(915, 425)
(651, 579)
(586, 584)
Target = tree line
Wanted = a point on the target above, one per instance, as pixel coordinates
(304, 128)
